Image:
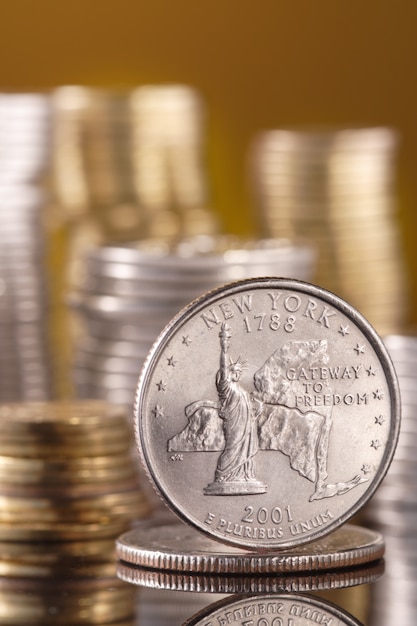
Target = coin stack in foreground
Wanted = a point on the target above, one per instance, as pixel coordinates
(393, 509)
(24, 157)
(336, 189)
(241, 420)
(68, 487)
(130, 293)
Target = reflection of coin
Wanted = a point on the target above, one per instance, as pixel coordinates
(298, 610)
(250, 583)
(179, 547)
(282, 444)
(70, 603)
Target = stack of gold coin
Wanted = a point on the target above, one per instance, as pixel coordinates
(68, 486)
(128, 165)
(91, 164)
(167, 160)
(91, 170)
(336, 188)
(66, 472)
(30, 602)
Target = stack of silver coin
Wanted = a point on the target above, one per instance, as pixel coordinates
(336, 188)
(25, 123)
(393, 509)
(130, 293)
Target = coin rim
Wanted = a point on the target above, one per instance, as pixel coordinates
(228, 290)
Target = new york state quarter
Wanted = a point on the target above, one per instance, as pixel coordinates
(267, 413)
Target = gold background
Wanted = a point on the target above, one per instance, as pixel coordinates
(258, 65)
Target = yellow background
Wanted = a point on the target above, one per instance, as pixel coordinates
(257, 65)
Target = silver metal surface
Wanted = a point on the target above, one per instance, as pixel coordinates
(247, 583)
(178, 547)
(267, 413)
(297, 610)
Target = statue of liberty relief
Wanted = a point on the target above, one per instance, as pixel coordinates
(235, 472)
(234, 428)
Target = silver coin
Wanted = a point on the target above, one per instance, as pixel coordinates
(247, 583)
(403, 346)
(144, 330)
(255, 413)
(109, 348)
(119, 396)
(111, 381)
(176, 546)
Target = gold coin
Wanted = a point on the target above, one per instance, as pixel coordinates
(64, 571)
(69, 491)
(67, 605)
(14, 470)
(61, 551)
(61, 530)
(84, 414)
(71, 449)
(87, 509)
(59, 434)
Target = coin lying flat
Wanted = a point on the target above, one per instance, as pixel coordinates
(267, 413)
(250, 583)
(178, 547)
(279, 608)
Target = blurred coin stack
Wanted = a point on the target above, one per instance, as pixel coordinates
(91, 161)
(167, 124)
(336, 188)
(25, 125)
(92, 174)
(129, 294)
(68, 487)
(393, 509)
(128, 165)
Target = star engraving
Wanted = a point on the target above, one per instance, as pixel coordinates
(158, 411)
(366, 468)
(378, 394)
(359, 349)
(376, 444)
(343, 330)
(186, 340)
(171, 361)
(161, 386)
(379, 419)
(371, 371)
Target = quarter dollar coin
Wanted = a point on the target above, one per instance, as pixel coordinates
(267, 413)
